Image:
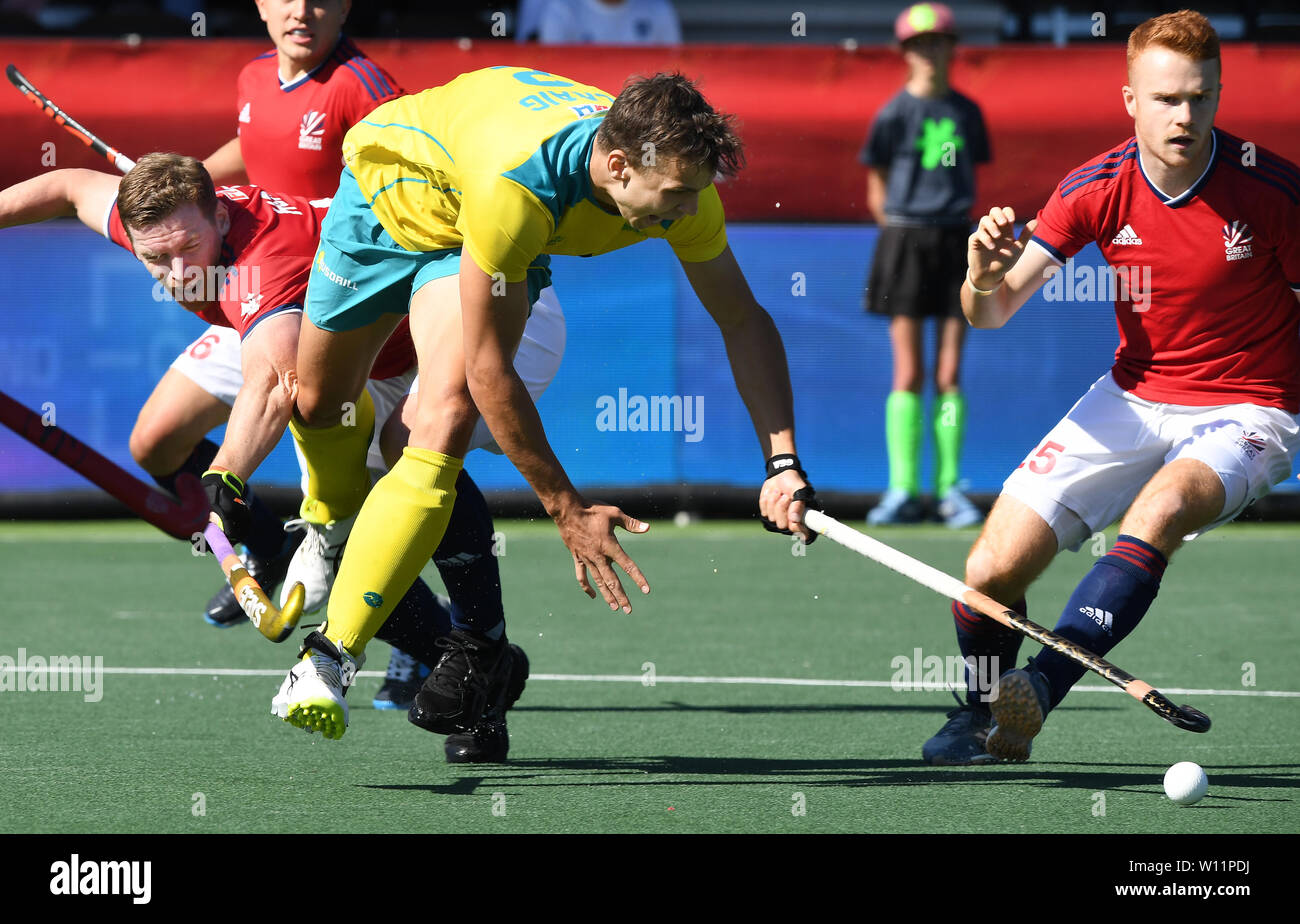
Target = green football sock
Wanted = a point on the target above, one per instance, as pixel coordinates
(903, 441)
(949, 423)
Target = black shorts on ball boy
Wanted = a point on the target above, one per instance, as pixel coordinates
(917, 272)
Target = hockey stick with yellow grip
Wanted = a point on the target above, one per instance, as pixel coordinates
(275, 623)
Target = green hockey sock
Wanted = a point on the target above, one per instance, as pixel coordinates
(903, 441)
(949, 424)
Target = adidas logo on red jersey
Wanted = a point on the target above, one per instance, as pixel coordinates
(1127, 236)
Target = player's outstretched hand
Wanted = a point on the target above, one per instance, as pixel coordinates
(994, 247)
(588, 530)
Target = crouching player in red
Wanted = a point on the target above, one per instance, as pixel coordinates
(241, 257)
(292, 107)
(1198, 416)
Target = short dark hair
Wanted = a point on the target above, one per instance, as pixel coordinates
(668, 112)
(159, 184)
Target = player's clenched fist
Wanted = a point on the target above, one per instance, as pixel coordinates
(994, 247)
(226, 493)
(786, 494)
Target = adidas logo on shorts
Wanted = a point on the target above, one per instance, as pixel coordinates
(1126, 236)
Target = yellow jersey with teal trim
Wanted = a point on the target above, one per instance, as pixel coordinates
(497, 162)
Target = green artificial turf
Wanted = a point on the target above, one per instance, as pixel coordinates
(652, 749)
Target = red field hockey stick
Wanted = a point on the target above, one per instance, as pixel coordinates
(43, 103)
(183, 520)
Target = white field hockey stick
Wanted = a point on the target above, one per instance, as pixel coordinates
(1185, 717)
(43, 103)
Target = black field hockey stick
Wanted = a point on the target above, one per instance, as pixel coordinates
(1185, 717)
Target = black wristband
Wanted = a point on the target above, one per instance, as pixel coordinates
(782, 462)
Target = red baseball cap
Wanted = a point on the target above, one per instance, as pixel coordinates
(920, 18)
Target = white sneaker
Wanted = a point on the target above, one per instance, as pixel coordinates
(316, 563)
(311, 696)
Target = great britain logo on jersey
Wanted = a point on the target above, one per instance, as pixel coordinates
(311, 131)
(1236, 241)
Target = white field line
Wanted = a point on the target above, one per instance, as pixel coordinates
(643, 679)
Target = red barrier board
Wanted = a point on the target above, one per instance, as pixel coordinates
(804, 110)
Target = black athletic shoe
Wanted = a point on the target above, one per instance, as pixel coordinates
(960, 743)
(471, 675)
(223, 610)
(489, 741)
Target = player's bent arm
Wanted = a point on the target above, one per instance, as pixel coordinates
(226, 164)
(264, 405)
(758, 366)
(86, 194)
(1031, 271)
(493, 326)
(1004, 266)
(754, 349)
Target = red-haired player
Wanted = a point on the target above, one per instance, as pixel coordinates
(1198, 416)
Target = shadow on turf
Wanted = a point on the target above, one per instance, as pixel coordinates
(676, 706)
(893, 772)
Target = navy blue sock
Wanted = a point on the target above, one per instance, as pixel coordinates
(266, 539)
(467, 565)
(199, 461)
(416, 623)
(992, 646)
(1106, 606)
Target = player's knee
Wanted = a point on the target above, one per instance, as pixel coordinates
(155, 449)
(982, 569)
(448, 422)
(995, 574)
(1164, 516)
(393, 439)
(315, 410)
